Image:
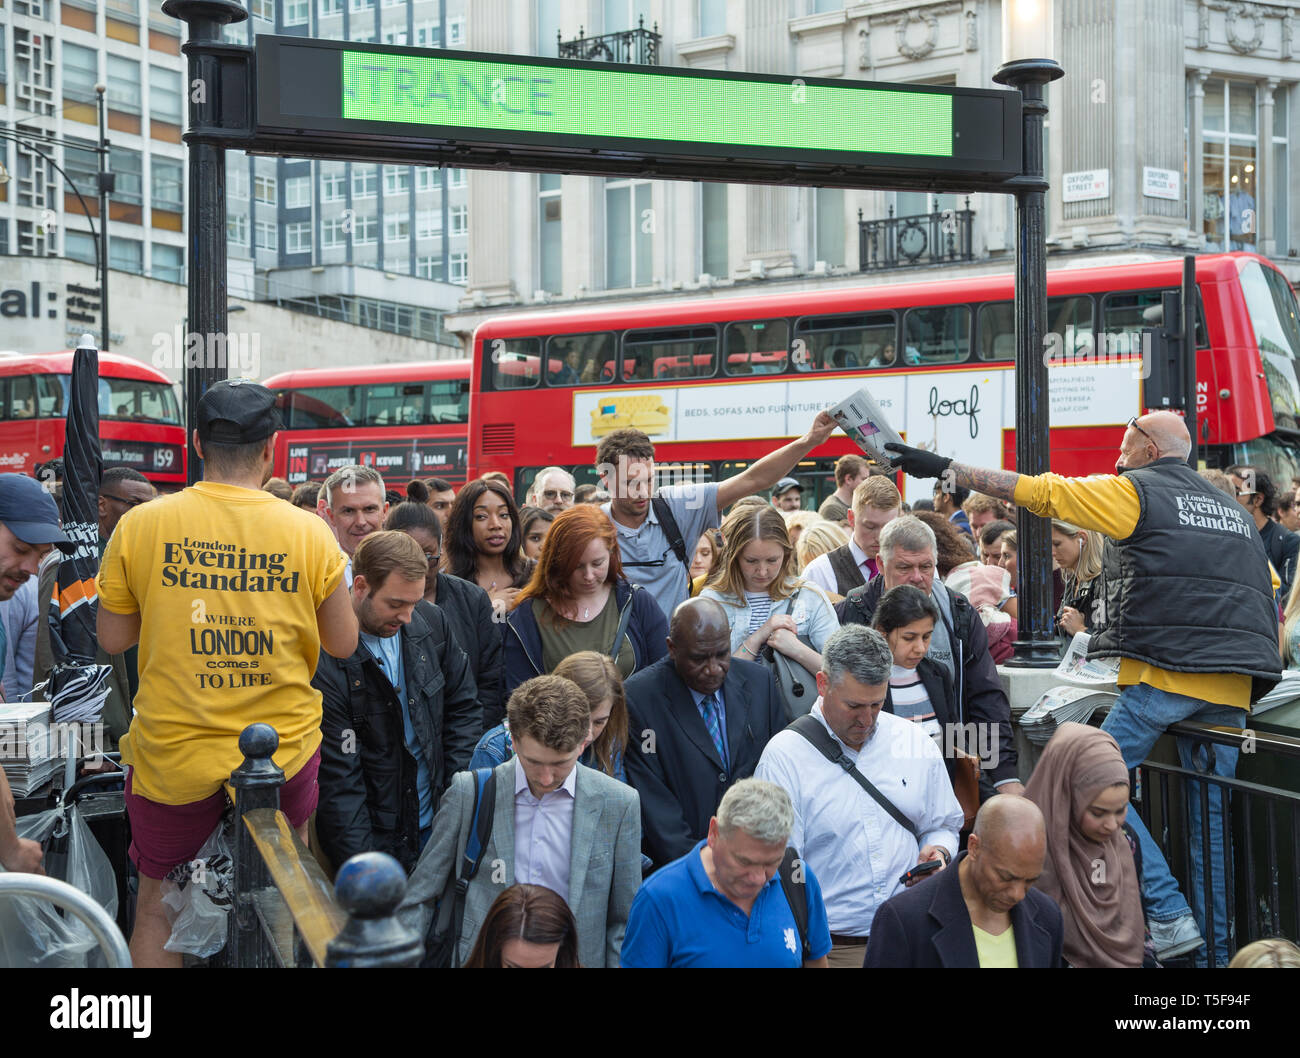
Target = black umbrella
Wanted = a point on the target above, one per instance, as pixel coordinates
(78, 686)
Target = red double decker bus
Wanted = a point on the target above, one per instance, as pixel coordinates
(718, 382)
(406, 420)
(140, 422)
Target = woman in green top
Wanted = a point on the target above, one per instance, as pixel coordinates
(577, 599)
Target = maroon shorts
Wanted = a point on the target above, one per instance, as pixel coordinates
(164, 836)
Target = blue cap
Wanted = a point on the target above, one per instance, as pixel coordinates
(29, 512)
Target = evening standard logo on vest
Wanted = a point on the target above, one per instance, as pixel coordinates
(1204, 512)
(210, 565)
(76, 1011)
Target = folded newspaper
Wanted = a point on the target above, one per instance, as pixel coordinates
(1076, 666)
(860, 417)
(1061, 705)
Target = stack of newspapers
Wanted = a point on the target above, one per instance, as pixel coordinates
(26, 746)
(1061, 705)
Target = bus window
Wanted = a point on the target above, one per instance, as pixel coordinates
(449, 401)
(833, 343)
(577, 359)
(682, 352)
(320, 407)
(128, 398)
(51, 396)
(22, 398)
(395, 404)
(1274, 316)
(514, 361)
(939, 335)
(757, 347)
(1071, 318)
(997, 333)
(1124, 314)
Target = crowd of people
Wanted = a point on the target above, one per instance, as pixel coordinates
(677, 726)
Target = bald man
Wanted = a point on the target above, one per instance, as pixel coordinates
(698, 720)
(986, 913)
(1188, 609)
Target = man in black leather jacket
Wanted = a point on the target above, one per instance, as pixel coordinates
(400, 716)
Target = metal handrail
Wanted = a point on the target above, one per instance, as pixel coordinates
(72, 899)
(1260, 741)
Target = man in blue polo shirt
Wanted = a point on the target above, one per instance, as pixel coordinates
(625, 461)
(722, 904)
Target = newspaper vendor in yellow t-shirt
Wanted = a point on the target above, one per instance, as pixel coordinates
(1188, 610)
(231, 593)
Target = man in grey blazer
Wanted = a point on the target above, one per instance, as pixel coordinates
(554, 823)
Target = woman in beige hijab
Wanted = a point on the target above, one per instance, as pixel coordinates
(1081, 786)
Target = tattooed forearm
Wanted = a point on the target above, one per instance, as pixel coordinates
(999, 483)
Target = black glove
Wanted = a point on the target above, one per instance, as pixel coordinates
(918, 463)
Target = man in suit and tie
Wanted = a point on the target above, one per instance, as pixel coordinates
(984, 913)
(554, 823)
(698, 720)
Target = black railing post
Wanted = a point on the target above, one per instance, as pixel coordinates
(369, 887)
(257, 783)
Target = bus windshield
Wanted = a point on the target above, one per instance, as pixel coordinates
(125, 399)
(1274, 315)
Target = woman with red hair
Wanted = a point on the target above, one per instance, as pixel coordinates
(578, 600)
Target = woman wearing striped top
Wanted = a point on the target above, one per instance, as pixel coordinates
(765, 603)
(919, 689)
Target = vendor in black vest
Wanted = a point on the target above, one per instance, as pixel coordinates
(876, 503)
(1189, 611)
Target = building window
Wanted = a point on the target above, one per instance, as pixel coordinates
(123, 84)
(397, 227)
(713, 19)
(365, 181)
(264, 189)
(297, 12)
(167, 263)
(297, 237)
(455, 38)
(629, 233)
(332, 234)
(264, 9)
(167, 184)
(265, 234)
(333, 186)
(165, 94)
(82, 166)
(460, 268)
(80, 246)
(1228, 181)
(126, 255)
(128, 167)
(297, 192)
(828, 205)
(237, 177)
(393, 35)
(427, 179)
(459, 216)
(549, 231)
(456, 178)
(363, 36)
(330, 7)
(365, 230)
(429, 267)
(427, 35)
(713, 229)
(237, 229)
(397, 179)
(1278, 178)
(361, 5)
(80, 72)
(428, 224)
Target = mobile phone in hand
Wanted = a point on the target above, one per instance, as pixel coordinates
(920, 871)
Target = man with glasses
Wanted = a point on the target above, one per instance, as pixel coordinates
(1188, 610)
(552, 490)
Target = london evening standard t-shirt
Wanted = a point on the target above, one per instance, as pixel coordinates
(227, 581)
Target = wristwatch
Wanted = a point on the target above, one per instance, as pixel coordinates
(947, 858)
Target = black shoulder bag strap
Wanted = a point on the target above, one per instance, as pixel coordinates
(665, 515)
(796, 895)
(624, 619)
(810, 728)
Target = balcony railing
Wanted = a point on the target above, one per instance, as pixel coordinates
(942, 237)
(640, 46)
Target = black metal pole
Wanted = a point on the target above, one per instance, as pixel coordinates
(105, 185)
(207, 208)
(1037, 645)
(1189, 351)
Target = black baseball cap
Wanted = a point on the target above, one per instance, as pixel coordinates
(237, 411)
(785, 485)
(30, 513)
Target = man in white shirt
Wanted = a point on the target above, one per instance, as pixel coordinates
(876, 503)
(853, 840)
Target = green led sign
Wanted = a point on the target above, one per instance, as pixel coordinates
(321, 98)
(635, 105)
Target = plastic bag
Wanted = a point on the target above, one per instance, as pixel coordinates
(199, 896)
(33, 931)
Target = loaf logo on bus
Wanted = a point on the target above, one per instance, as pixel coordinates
(645, 412)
